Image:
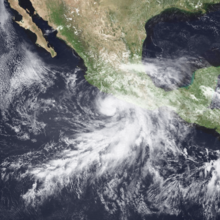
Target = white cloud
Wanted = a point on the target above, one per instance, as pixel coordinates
(4, 16)
(207, 92)
(168, 73)
(126, 132)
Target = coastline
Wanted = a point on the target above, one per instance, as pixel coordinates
(27, 23)
(131, 84)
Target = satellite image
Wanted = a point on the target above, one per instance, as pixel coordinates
(109, 109)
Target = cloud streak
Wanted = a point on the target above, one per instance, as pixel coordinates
(121, 140)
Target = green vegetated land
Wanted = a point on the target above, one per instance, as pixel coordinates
(125, 76)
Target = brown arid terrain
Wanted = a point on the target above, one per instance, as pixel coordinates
(111, 30)
(108, 30)
(108, 35)
(27, 23)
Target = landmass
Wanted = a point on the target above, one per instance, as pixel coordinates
(108, 35)
(27, 23)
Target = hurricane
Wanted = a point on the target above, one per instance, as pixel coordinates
(71, 151)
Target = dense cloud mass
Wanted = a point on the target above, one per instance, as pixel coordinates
(69, 151)
(130, 158)
(178, 44)
(169, 74)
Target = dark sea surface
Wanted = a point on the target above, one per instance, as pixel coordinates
(64, 63)
(183, 42)
(69, 151)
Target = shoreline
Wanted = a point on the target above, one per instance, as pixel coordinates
(27, 23)
(130, 93)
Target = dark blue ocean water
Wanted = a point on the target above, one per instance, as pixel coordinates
(176, 34)
(73, 111)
